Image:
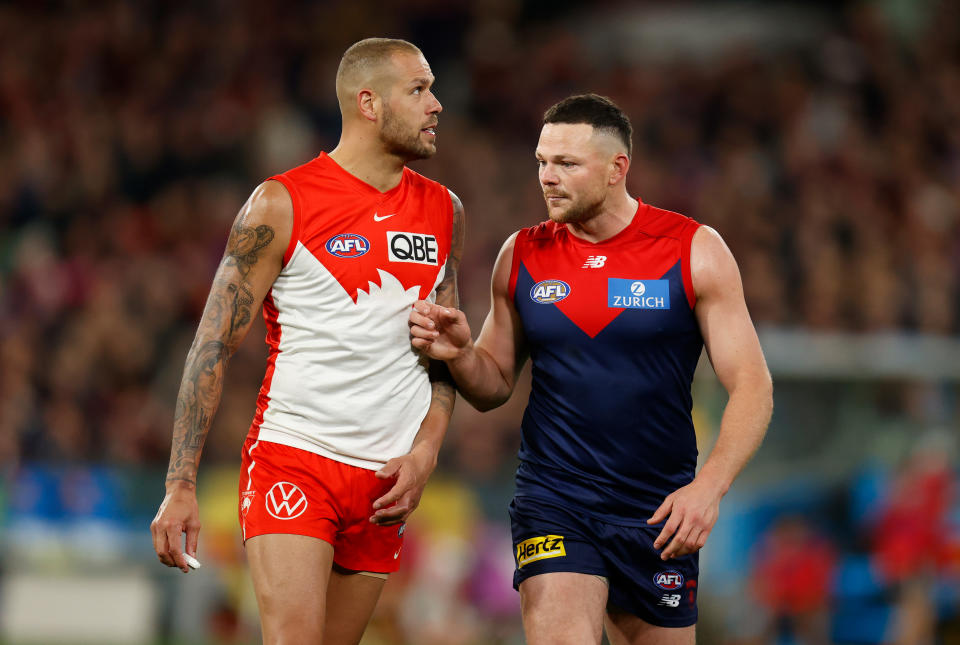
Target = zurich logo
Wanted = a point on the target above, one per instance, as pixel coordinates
(549, 291)
(347, 245)
(638, 288)
(668, 580)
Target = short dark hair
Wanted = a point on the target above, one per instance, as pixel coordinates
(599, 111)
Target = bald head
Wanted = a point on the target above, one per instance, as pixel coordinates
(368, 64)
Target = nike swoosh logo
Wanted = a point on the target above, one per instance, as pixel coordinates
(380, 218)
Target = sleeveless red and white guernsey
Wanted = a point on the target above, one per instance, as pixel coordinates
(342, 380)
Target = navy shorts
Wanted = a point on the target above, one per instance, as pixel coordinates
(548, 538)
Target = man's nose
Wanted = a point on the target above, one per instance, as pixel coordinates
(547, 176)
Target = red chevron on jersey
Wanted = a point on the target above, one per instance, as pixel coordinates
(649, 247)
(352, 238)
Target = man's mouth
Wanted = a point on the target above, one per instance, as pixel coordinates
(431, 130)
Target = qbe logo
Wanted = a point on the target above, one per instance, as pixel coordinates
(638, 294)
(286, 501)
(418, 248)
(668, 580)
(347, 245)
(549, 291)
(540, 548)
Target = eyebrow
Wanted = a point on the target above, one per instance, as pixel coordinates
(423, 80)
(563, 156)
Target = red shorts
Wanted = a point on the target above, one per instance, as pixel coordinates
(288, 490)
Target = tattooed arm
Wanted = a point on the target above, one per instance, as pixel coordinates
(412, 470)
(251, 262)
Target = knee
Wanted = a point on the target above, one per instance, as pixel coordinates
(547, 628)
(284, 621)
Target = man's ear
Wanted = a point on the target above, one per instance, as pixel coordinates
(619, 166)
(369, 104)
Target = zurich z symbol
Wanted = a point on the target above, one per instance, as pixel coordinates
(347, 245)
(286, 501)
(549, 291)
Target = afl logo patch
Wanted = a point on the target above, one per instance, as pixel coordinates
(547, 292)
(668, 580)
(348, 245)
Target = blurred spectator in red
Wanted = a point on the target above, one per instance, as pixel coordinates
(912, 536)
(791, 579)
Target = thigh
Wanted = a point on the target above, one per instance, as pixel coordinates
(626, 629)
(290, 576)
(351, 599)
(563, 608)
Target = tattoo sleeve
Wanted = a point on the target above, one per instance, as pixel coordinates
(225, 321)
(444, 392)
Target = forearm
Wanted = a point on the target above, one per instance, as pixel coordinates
(742, 429)
(479, 379)
(197, 402)
(433, 428)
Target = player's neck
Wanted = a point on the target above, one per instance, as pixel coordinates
(615, 215)
(367, 161)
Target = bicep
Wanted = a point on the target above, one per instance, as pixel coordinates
(728, 332)
(502, 334)
(251, 262)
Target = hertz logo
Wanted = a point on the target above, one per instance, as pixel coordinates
(539, 548)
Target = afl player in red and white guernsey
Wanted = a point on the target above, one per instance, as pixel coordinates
(350, 418)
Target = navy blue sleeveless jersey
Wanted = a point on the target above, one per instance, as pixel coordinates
(614, 343)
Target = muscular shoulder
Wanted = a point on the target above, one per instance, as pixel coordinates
(267, 217)
(712, 266)
(270, 202)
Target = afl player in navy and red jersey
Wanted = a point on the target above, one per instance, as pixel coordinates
(612, 300)
(350, 418)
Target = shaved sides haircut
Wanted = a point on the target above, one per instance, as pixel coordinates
(364, 64)
(599, 111)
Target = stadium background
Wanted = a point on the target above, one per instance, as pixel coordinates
(822, 139)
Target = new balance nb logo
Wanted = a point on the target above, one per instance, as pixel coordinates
(594, 262)
(670, 600)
